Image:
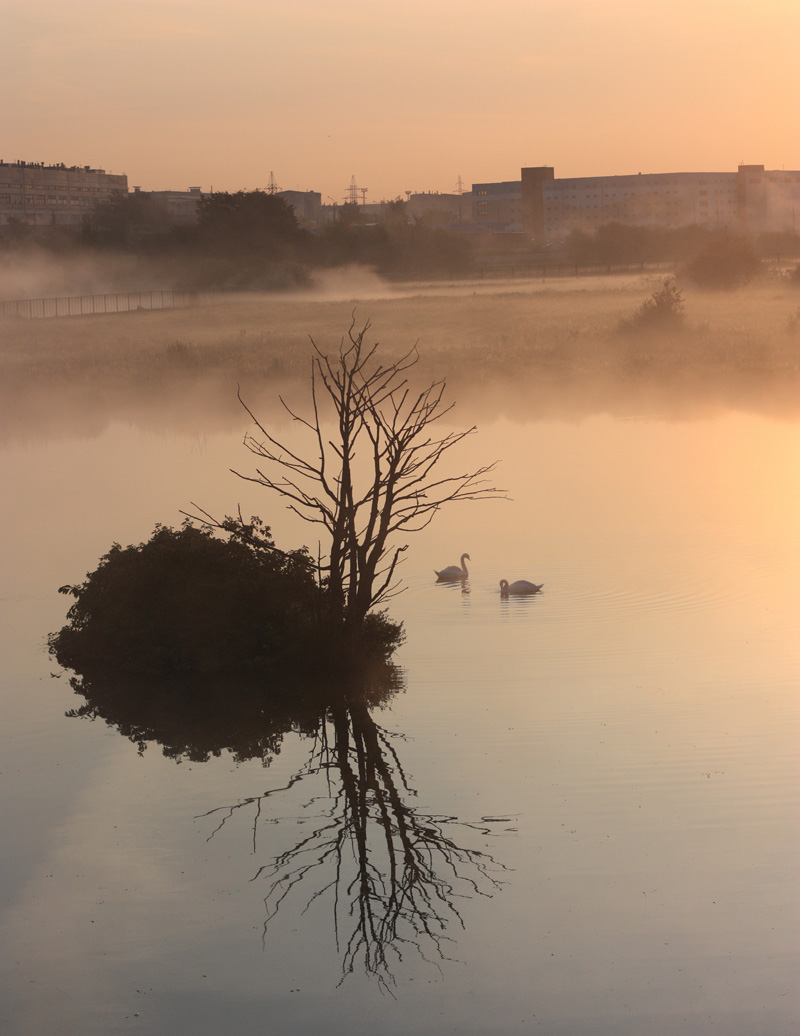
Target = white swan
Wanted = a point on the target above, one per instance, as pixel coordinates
(519, 589)
(453, 573)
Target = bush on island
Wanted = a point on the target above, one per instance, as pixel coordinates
(191, 602)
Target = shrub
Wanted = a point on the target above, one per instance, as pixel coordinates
(662, 312)
(188, 602)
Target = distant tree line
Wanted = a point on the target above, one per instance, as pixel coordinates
(253, 240)
(619, 242)
(709, 258)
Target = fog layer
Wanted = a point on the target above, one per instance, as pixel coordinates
(522, 349)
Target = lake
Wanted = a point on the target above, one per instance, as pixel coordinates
(602, 780)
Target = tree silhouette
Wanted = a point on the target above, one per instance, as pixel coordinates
(127, 221)
(370, 474)
(247, 221)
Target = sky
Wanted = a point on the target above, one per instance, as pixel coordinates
(402, 97)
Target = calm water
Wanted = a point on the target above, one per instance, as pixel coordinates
(623, 749)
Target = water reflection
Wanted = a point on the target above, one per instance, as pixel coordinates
(455, 586)
(392, 874)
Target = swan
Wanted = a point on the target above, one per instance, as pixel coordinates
(519, 589)
(453, 572)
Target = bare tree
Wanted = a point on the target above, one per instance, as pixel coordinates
(373, 478)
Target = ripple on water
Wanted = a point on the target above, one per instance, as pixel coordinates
(435, 601)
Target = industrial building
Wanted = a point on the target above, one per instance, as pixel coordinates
(440, 209)
(42, 195)
(307, 206)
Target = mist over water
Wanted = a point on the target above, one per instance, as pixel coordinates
(622, 746)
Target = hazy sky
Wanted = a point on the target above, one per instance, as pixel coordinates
(403, 96)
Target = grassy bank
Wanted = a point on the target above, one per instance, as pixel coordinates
(524, 348)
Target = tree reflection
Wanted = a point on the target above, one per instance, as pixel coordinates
(393, 875)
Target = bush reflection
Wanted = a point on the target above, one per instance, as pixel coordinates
(390, 873)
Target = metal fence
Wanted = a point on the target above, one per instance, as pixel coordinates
(116, 302)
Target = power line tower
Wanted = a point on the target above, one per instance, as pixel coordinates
(352, 192)
(272, 186)
(460, 188)
(363, 193)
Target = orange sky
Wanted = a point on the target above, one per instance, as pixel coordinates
(405, 96)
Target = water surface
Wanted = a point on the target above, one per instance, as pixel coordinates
(621, 747)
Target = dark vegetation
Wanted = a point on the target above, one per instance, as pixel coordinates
(619, 242)
(395, 249)
(725, 261)
(204, 642)
(189, 603)
(204, 645)
(710, 259)
(247, 240)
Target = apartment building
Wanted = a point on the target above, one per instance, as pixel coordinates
(498, 206)
(666, 200)
(41, 195)
(752, 198)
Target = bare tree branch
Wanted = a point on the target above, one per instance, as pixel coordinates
(363, 499)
